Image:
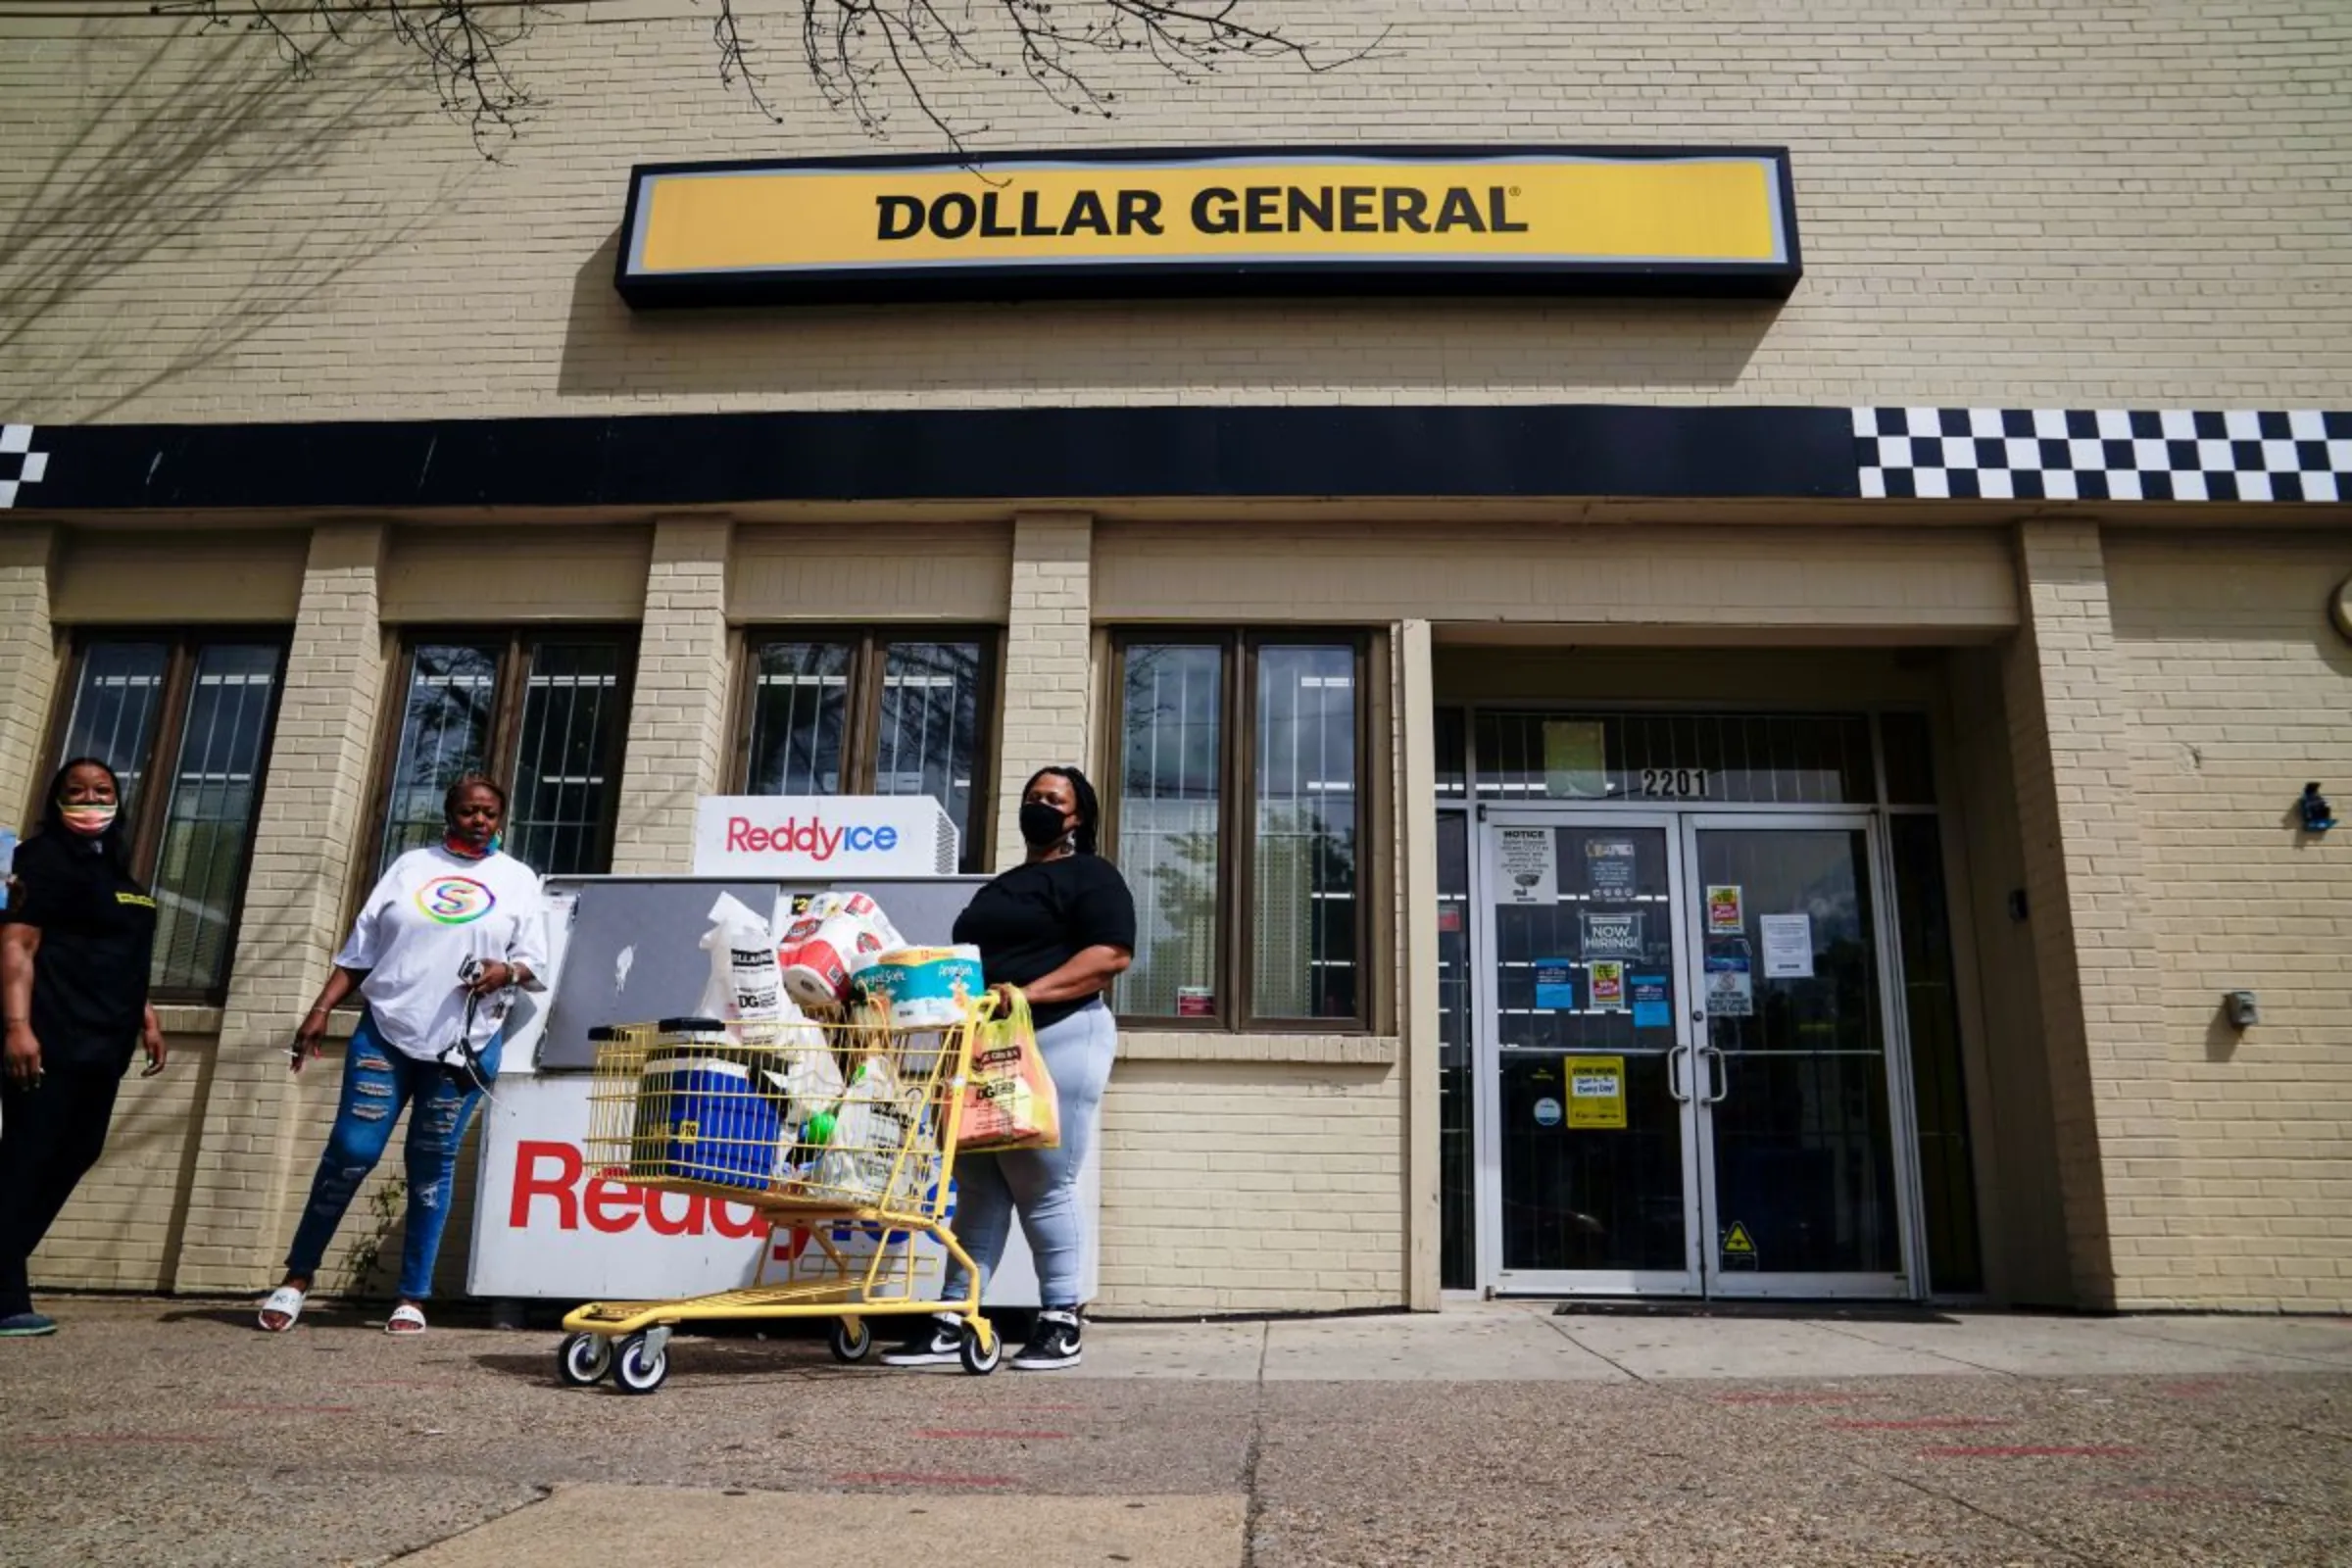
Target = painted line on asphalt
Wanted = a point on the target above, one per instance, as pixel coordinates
(991, 1434)
(1794, 1398)
(291, 1409)
(125, 1437)
(2036, 1450)
(2182, 1494)
(1932, 1423)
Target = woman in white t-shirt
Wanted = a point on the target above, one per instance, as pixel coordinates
(442, 944)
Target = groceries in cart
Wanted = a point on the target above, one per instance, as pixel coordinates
(840, 1103)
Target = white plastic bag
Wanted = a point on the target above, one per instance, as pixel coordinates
(744, 981)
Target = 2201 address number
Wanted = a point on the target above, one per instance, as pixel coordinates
(1674, 783)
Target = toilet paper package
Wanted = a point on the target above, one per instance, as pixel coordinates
(925, 988)
(838, 939)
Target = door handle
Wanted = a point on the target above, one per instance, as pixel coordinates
(1719, 1077)
(1674, 1074)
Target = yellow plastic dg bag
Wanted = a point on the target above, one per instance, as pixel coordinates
(1009, 1100)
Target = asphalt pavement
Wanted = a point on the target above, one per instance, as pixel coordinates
(173, 1433)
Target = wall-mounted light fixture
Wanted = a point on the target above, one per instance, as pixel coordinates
(2240, 1008)
(2318, 816)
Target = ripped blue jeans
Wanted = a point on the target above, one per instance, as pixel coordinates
(377, 1080)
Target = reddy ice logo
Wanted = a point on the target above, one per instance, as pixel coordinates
(455, 899)
(812, 838)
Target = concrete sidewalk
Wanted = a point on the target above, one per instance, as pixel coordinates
(1512, 1342)
(173, 1434)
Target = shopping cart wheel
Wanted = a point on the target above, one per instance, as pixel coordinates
(584, 1360)
(853, 1341)
(978, 1363)
(638, 1370)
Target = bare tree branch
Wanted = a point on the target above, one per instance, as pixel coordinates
(863, 56)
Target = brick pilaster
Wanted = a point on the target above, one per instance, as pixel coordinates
(1046, 675)
(678, 710)
(28, 664)
(2100, 981)
(262, 1125)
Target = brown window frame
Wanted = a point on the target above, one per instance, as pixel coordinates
(150, 808)
(1237, 840)
(861, 728)
(505, 720)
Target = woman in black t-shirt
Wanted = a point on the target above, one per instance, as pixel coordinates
(1057, 928)
(73, 957)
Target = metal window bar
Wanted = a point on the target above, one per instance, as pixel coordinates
(570, 702)
(116, 704)
(446, 717)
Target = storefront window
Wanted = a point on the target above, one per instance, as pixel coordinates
(1932, 1008)
(186, 724)
(859, 715)
(545, 715)
(1280, 748)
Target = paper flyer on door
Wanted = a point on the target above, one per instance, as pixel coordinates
(1596, 1091)
(1652, 1001)
(1555, 985)
(1725, 916)
(1609, 868)
(1788, 946)
(1731, 988)
(1529, 871)
(1607, 980)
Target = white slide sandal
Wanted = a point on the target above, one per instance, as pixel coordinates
(286, 1302)
(406, 1318)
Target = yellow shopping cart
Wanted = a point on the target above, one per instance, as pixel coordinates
(831, 1128)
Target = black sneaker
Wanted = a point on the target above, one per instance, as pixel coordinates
(936, 1341)
(1053, 1344)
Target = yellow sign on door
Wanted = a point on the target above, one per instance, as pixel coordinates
(1737, 1243)
(1596, 1091)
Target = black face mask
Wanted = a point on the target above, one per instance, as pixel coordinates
(1043, 824)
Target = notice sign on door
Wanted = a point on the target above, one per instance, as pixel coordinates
(1730, 986)
(1596, 1091)
(1530, 874)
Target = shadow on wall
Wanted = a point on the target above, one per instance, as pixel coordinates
(1152, 350)
(189, 147)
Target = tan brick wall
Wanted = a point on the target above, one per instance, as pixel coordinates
(121, 1230)
(1047, 678)
(2111, 1093)
(28, 664)
(167, 578)
(2239, 690)
(1932, 582)
(263, 1128)
(1251, 1188)
(2061, 203)
(849, 573)
(501, 577)
(677, 747)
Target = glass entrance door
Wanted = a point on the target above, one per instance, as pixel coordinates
(1799, 1141)
(1687, 1076)
(1590, 1164)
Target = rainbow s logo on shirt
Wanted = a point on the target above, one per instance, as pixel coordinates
(455, 899)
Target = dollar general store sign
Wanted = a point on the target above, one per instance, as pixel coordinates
(1283, 221)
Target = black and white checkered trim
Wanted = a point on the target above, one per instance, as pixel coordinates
(2105, 454)
(19, 464)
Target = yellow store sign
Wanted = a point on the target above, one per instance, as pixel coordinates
(1414, 221)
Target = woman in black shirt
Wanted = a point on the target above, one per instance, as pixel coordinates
(1057, 928)
(74, 959)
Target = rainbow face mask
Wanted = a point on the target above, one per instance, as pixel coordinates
(90, 818)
